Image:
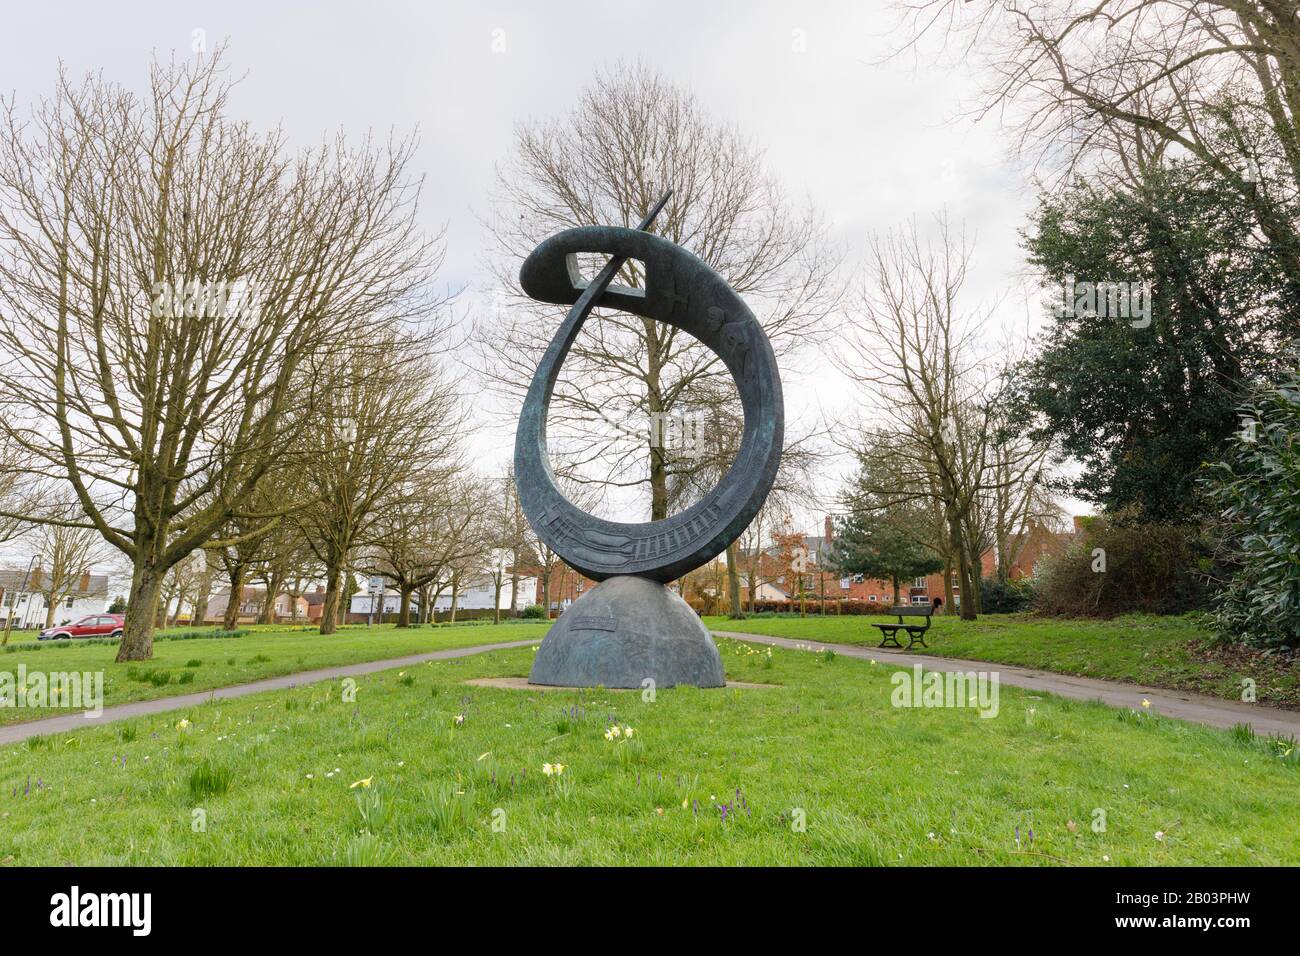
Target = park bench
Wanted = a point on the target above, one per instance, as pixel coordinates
(915, 632)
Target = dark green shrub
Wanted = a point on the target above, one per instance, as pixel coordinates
(534, 612)
(1257, 491)
(1005, 597)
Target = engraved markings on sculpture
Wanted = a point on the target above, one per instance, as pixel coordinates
(675, 539)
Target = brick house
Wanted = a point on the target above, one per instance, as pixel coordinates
(315, 603)
(567, 585)
(820, 583)
(1036, 542)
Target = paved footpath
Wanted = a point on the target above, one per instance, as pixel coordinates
(1169, 703)
(75, 721)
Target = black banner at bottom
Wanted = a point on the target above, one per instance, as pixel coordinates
(138, 906)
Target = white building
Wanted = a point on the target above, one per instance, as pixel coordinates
(477, 595)
(366, 602)
(474, 596)
(89, 595)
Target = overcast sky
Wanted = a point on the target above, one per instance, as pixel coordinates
(870, 144)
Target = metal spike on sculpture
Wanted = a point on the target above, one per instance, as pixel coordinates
(631, 628)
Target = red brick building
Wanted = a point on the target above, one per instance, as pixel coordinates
(1035, 543)
(772, 575)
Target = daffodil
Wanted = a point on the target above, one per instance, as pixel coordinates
(183, 725)
(628, 731)
(547, 769)
(363, 784)
(1146, 704)
(460, 719)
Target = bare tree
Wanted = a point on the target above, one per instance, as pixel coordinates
(939, 393)
(17, 496)
(632, 135)
(1129, 83)
(64, 554)
(237, 553)
(180, 587)
(417, 542)
(391, 424)
(515, 533)
(171, 283)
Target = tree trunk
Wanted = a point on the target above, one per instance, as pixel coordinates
(49, 615)
(329, 617)
(455, 597)
(514, 591)
(404, 609)
(274, 585)
(733, 582)
(176, 611)
(947, 584)
(546, 591)
(204, 595)
(895, 580)
(346, 592)
(231, 619)
(956, 540)
(141, 608)
(498, 582)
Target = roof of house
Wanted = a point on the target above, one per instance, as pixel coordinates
(86, 585)
(1052, 540)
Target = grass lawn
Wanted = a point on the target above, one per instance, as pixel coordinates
(1145, 649)
(186, 666)
(303, 777)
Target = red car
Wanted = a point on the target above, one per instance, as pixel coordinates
(93, 625)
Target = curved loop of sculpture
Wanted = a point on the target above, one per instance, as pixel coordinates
(683, 291)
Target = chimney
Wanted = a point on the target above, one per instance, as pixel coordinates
(85, 582)
(1078, 523)
(320, 589)
(828, 529)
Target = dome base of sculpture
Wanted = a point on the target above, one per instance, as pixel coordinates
(626, 632)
